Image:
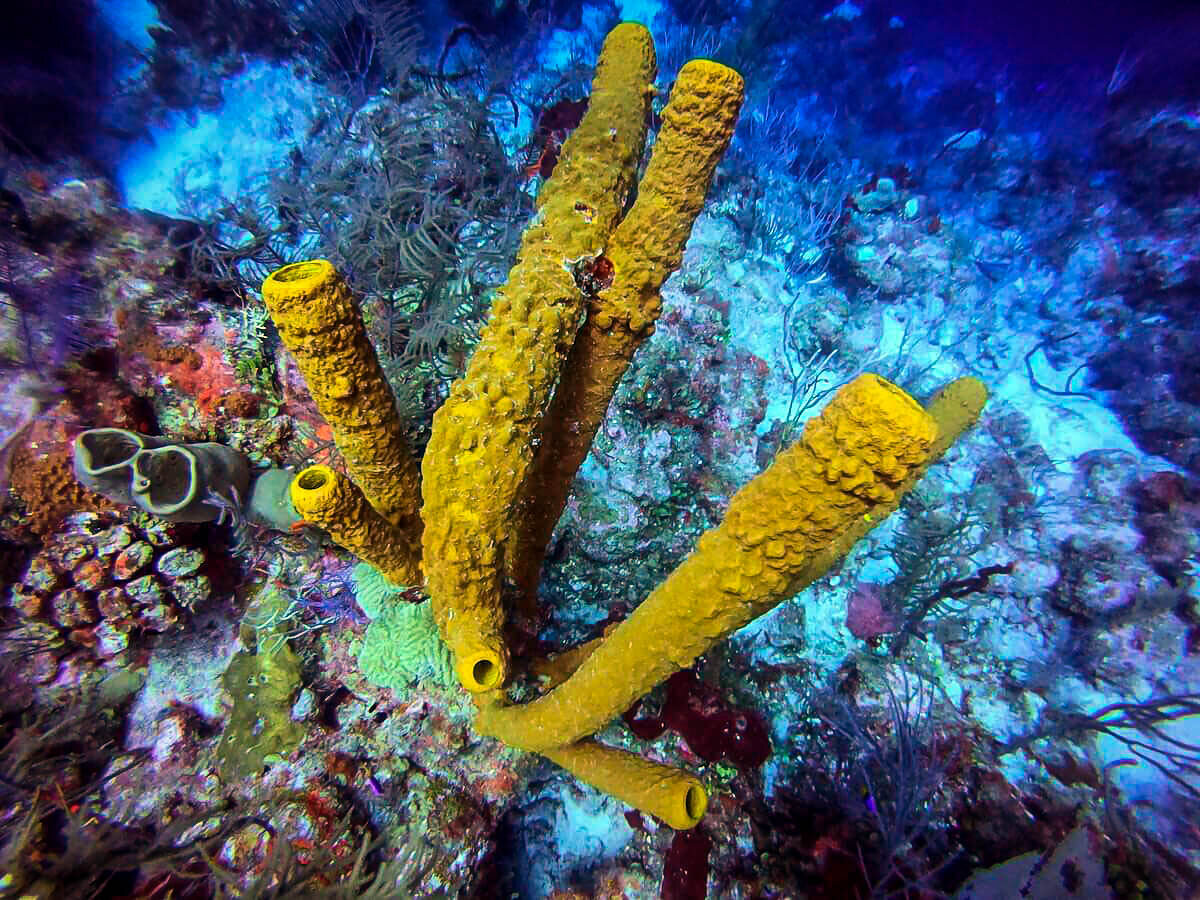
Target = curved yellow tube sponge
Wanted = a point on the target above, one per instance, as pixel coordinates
(319, 323)
(331, 500)
(482, 441)
(845, 474)
(697, 125)
(953, 410)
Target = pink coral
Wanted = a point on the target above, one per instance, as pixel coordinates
(867, 613)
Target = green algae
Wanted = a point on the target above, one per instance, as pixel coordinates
(263, 682)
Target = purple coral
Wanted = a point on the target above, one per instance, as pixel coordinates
(868, 615)
(712, 729)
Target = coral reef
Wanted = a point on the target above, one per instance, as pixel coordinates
(990, 684)
(103, 584)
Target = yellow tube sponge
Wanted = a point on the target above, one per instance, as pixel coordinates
(679, 799)
(332, 501)
(319, 323)
(955, 408)
(483, 435)
(697, 125)
(848, 465)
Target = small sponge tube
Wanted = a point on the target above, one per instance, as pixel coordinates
(330, 500)
(675, 797)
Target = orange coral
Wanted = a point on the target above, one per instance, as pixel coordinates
(197, 370)
(43, 479)
(201, 373)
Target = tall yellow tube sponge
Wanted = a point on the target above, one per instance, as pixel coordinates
(697, 125)
(331, 500)
(846, 473)
(483, 435)
(318, 321)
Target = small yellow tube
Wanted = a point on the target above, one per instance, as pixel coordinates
(955, 408)
(320, 324)
(332, 501)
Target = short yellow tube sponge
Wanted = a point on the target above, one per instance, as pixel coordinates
(329, 499)
(955, 408)
(483, 435)
(676, 797)
(319, 323)
(848, 468)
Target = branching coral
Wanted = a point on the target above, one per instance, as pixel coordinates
(1143, 727)
(582, 296)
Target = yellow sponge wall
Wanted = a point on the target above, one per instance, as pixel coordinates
(483, 435)
(849, 464)
(320, 324)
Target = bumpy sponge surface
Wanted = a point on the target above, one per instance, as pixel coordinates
(851, 461)
(319, 323)
(646, 247)
(331, 500)
(482, 441)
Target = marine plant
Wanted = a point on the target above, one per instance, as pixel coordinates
(362, 43)
(478, 512)
(896, 782)
(263, 681)
(1144, 727)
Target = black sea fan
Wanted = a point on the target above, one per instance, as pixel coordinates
(52, 314)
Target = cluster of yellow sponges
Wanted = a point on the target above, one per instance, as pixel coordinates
(507, 442)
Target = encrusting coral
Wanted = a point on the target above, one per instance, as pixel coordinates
(491, 495)
(263, 682)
